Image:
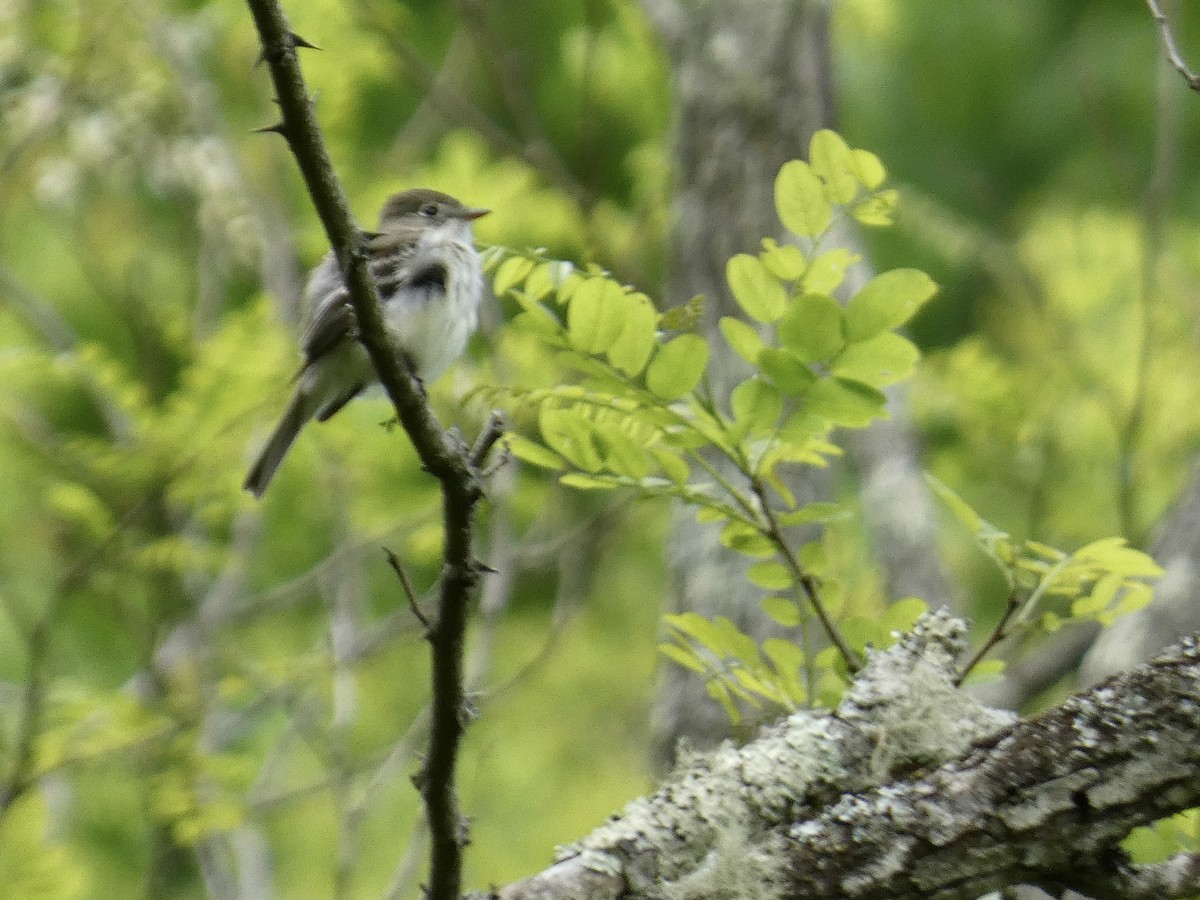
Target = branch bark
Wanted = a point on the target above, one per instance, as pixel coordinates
(912, 790)
(441, 453)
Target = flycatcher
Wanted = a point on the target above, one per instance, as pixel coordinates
(425, 266)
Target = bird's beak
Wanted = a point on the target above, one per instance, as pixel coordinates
(471, 213)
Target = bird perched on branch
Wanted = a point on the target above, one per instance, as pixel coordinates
(425, 266)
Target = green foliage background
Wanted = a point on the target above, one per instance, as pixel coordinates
(1040, 152)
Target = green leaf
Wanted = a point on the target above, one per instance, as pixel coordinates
(1136, 596)
(845, 402)
(623, 453)
(986, 671)
(800, 200)
(878, 210)
(783, 610)
(785, 656)
(961, 508)
(596, 315)
(879, 361)
(635, 342)
(684, 656)
(860, 631)
(1113, 554)
(534, 454)
(757, 291)
(742, 338)
(588, 482)
(569, 433)
(756, 404)
(868, 169)
(32, 864)
(773, 576)
(748, 540)
(672, 464)
(540, 281)
(903, 614)
(719, 692)
(827, 271)
(678, 366)
(538, 320)
(788, 371)
(821, 511)
(812, 328)
(511, 273)
(834, 162)
(887, 301)
(785, 261)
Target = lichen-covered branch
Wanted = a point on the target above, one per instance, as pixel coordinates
(714, 814)
(441, 453)
(911, 790)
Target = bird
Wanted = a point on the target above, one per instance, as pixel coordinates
(425, 266)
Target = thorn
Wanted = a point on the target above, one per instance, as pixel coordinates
(298, 41)
(480, 566)
(278, 128)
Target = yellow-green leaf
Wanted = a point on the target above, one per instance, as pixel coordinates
(756, 404)
(812, 328)
(677, 367)
(787, 370)
(845, 402)
(827, 271)
(868, 169)
(511, 273)
(635, 342)
(773, 576)
(800, 200)
(877, 210)
(887, 301)
(878, 361)
(834, 162)
(533, 453)
(744, 339)
(784, 261)
(756, 290)
(596, 315)
(783, 610)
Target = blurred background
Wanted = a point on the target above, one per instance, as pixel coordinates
(201, 695)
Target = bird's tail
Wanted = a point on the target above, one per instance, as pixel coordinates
(297, 414)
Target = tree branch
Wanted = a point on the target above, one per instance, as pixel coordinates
(440, 452)
(1171, 47)
(855, 804)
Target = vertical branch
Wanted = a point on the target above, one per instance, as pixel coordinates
(441, 454)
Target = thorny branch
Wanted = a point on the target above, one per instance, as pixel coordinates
(441, 453)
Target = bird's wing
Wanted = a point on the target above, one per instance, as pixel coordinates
(332, 317)
(390, 257)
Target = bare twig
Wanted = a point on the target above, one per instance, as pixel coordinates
(806, 582)
(394, 562)
(999, 633)
(1171, 47)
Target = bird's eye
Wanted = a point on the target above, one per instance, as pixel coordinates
(429, 210)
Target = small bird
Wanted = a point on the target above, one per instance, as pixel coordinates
(425, 266)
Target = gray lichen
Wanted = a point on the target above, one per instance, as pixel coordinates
(710, 830)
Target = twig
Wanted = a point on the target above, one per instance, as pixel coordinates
(441, 454)
(806, 582)
(1172, 48)
(394, 562)
(998, 634)
(492, 432)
